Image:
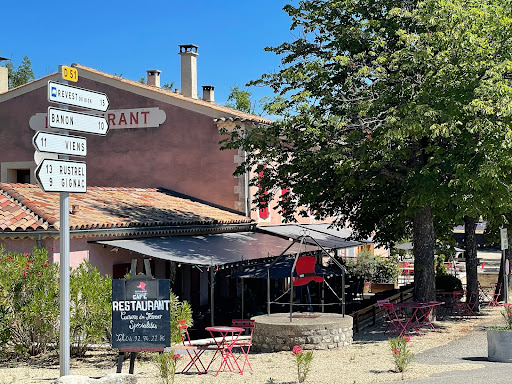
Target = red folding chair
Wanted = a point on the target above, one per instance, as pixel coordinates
(495, 296)
(244, 341)
(393, 319)
(194, 348)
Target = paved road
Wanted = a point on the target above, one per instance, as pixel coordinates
(469, 349)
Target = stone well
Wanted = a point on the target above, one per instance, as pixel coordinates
(275, 332)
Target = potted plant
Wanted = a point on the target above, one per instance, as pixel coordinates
(376, 271)
(499, 339)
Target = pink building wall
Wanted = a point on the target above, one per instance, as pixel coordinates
(182, 154)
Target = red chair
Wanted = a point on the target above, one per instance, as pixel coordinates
(194, 348)
(495, 296)
(244, 341)
(393, 319)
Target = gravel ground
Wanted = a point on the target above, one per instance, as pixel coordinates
(368, 360)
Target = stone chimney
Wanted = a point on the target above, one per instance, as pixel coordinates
(4, 77)
(154, 77)
(188, 53)
(208, 93)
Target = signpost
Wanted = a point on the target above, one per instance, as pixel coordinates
(62, 176)
(61, 144)
(77, 121)
(78, 97)
(504, 247)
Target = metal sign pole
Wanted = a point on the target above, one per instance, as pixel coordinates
(64, 284)
(64, 355)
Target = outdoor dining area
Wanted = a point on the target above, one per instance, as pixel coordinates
(410, 318)
(224, 342)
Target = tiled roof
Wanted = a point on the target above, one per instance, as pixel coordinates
(238, 115)
(25, 207)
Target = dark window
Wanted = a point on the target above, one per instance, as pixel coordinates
(23, 176)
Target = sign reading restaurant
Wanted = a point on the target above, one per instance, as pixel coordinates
(141, 314)
(116, 118)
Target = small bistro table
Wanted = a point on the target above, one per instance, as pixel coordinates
(225, 343)
(418, 317)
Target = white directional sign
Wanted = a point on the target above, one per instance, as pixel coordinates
(77, 121)
(62, 176)
(78, 97)
(61, 144)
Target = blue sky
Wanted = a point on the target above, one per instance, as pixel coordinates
(128, 37)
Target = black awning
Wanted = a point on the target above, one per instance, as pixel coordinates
(214, 249)
(312, 234)
(280, 270)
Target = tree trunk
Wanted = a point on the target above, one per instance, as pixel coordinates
(424, 243)
(471, 259)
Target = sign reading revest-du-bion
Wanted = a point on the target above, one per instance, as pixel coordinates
(141, 314)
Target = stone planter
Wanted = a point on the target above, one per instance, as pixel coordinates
(499, 345)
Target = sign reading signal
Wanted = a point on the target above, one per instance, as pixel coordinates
(77, 121)
(61, 144)
(62, 176)
(77, 97)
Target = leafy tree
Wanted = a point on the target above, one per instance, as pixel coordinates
(391, 109)
(21, 75)
(240, 99)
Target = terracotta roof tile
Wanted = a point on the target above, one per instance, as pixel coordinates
(24, 205)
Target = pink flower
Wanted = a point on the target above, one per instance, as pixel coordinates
(395, 351)
(408, 338)
(26, 255)
(9, 258)
(25, 273)
(53, 249)
(176, 356)
(297, 350)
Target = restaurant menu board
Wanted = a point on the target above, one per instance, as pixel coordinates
(140, 314)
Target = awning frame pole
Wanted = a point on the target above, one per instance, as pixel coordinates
(291, 276)
(212, 295)
(243, 312)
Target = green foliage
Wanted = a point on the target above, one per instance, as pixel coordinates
(90, 307)
(303, 360)
(374, 268)
(448, 283)
(240, 100)
(180, 310)
(166, 364)
(507, 315)
(168, 86)
(396, 118)
(29, 300)
(401, 354)
(21, 75)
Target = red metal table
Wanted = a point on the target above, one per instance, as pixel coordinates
(418, 316)
(225, 343)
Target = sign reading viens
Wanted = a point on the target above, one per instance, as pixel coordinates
(141, 314)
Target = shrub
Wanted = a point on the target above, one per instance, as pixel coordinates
(29, 300)
(180, 310)
(90, 307)
(401, 354)
(303, 360)
(374, 268)
(448, 283)
(166, 364)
